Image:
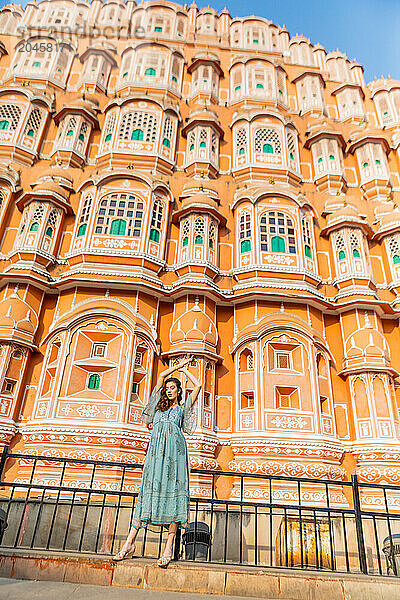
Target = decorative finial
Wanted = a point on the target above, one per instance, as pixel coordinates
(282, 307)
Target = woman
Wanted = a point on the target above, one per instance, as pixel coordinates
(163, 497)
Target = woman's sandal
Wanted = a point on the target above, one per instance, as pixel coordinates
(164, 560)
(124, 553)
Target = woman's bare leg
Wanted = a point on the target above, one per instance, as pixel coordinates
(129, 545)
(169, 546)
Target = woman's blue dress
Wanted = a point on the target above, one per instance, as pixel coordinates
(164, 491)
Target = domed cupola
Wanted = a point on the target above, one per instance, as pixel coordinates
(194, 331)
(366, 349)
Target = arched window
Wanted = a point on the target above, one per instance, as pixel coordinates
(281, 232)
(307, 237)
(241, 141)
(138, 126)
(185, 232)
(156, 220)
(94, 381)
(245, 232)
(199, 228)
(34, 227)
(85, 214)
(150, 71)
(267, 141)
(127, 208)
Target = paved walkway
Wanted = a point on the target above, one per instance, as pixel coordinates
(15, 589)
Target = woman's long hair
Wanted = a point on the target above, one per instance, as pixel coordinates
(164, 402)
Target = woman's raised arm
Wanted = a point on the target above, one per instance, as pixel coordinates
(196, 383)
(167, 372)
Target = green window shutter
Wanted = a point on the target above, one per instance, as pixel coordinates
(4, 124)
(108, 137)
(191, 147)
(202, 144)
(69, 133)
(137, 134)
(210, 243)
(245, 246)
(396, 259)
(241, 151)
(154, 235)
(158, 29)
(118, 227)
(49, 232)
(34, 227)
(174, 78)
(356, 253)
(150, 71)
(185, 240)
(307, 251)
(259, 86)
(237, 88)
(331, 157)
(82, 229)
(291, 156)
(166, 143)
(30, 133)
(94, 381)
(125, 74)
(365, 164)
(198, 239)
(268, 149)
(81, 137)
(378, 162)
(320, 160)
(36, 64)
(342, 255)
(277, 244)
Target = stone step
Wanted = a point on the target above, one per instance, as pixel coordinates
(191, 578)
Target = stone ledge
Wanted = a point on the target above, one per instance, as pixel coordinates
(255, 582)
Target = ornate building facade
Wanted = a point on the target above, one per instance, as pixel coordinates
(174, 180)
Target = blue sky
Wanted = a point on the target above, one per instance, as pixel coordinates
(368, 30)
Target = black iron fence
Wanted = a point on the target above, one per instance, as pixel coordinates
(86, 506)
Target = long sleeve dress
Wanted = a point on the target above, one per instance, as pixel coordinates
(164, 491)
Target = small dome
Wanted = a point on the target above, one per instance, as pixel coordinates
(194, 326)
(16, 314)
(199, 198)
(367, 342)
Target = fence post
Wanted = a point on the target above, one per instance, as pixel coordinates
(359, 526)
(3, 458)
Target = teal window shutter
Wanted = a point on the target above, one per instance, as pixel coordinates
(307, 251)
(34, 226)
(150, 71)
(198, 239)
(277, 244)
(4, 124)
(108, 137)
(82, 229)
(94, 381)
(166, 143)
(118, 227)
(268, 149)
(49, 232)
(154, 235)
(185, 240)
(356, 253)
(342, 255)
(396, 259)
(137, 134)
(245, 246)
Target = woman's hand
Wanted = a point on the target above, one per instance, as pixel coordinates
(183, 362)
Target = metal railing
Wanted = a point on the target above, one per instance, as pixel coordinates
(86, 506)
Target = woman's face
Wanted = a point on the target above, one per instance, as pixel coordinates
(171, 389)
